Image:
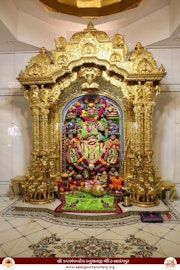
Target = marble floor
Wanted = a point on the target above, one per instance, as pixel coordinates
(19, 233)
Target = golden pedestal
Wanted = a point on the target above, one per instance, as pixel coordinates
(169, 186)
(16, 185)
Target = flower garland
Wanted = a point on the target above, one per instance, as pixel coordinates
(83, 112)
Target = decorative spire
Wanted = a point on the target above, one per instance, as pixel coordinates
(90, 27)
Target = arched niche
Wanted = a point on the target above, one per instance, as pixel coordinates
(89, 123)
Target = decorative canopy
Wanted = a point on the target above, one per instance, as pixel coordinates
(91, 45)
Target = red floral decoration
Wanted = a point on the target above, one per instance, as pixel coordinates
(83, 113)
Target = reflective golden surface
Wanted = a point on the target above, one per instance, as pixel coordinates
(92, 64)
(171, 188)
(17, 183)
(90, 8)
(88, 3)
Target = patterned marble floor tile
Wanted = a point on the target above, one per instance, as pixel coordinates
(35, 237)
(93, 231)
(44, 223)
(109, 235)
(9, 235)
(150, 238)
(177, 227)
(19, 221)
(73, 235)
(173, 236)
(25, 254)
(1, 219)
(4, 226)
(13, 248)
(29, 228)
(2, 253)
(176, 202)
(3, 205)
(158, 254)
(168, 248)
(62, 230)
(3, 199)
(177, 207)
(163, 239)
(139, 225)
(169, 225)
(125, 230)
(156, 229)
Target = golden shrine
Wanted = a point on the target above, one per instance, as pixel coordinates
(92, 103)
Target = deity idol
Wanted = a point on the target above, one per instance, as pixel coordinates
(92, 150)
(89, 155)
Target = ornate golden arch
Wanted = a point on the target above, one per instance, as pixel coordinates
(92, 63)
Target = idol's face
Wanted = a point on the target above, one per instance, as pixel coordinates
(91, 140)
(113, 137)
(91, 108)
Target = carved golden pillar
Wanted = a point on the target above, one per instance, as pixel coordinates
(33, 96)
(148, 162)
(57, 140)
(143, 189)
(148, 110)
(43, 131)
(51, 132)
(53, 135)
(35, 130)
(149, 92)
(139, 127)
(130, 146)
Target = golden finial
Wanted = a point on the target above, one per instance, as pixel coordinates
(90, 26)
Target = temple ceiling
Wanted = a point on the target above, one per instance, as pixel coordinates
(90, 8)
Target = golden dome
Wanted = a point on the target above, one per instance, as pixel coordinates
(90, 8)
